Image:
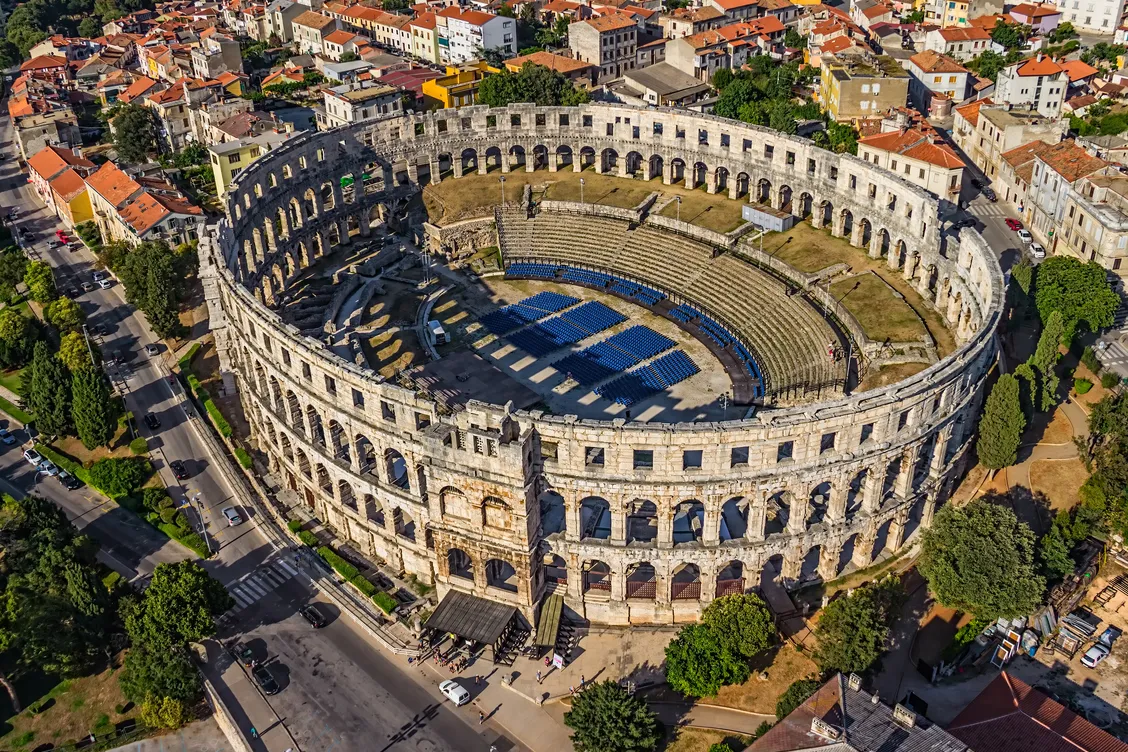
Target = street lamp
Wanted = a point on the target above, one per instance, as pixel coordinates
(89, 349)
(581, 190)
(502, 181)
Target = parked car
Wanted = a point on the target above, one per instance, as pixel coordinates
(455, 692)
(1037, 251)
(69, 482)
(7, 437)
(1101, 649)
(105, 284)
(232, 515)
(99, 276)
(33, 457)
(242, 653)
(152, 421)
(1013, 224)
(151, 350)
(265, 680)
(99, 330)
(1025, 236)
(990, 195)
(49, 467)
(179, 470)
(313, 616)
(87, 286)
(62, 236)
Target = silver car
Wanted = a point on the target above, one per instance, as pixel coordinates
(232, 515)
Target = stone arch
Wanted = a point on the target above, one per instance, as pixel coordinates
(743, 181)
(496, 513)
(778, 513)
(555, 570)
(805, 207)
(763, 191)
(270, 435)
(642, 521)
(287, 450)
(491, 158)
(865, 233)
(309, 203)
(633, 163)
(677, 170)
(721, 178)
(818, 503)
(468, 160)
(552, 513)
(296, 420)
(825, 215)
(346, 495)
(772, 570)
(338, 442)
(595, 518)
(365, 453)
(656, 165)
(453, 503)
(564, 156)
(395, 469)
(689, 522)
(540, 157)
(784, 198)
(597, 576)
(517, 156)
(459, 564)
(685, 583)
(809, 567)
(403, 523)
(303, 463)
(730, 579)
(847, 220)
(698, 174)
(501, 574)
(883, 243)
(846, 554)
(328, 196)
(734, 518)
(313, 421)
(642, 581)
(608, 160)
(587, 157)
(324, 482)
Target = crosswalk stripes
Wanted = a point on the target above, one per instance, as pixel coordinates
(254, 586)
(989, 210)
(1115, 355)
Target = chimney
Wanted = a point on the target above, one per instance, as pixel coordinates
(819, 727)
(904, 716)
(854, 682)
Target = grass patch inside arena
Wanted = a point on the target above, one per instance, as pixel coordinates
(884, 316)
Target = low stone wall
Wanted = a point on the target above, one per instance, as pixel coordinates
(594, 210)
(461, 239)
(692, 231)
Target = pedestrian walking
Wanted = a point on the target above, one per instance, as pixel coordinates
(481, 718)
(583, 681)
(254, 733)
(572, 689)
(538, 677)
(477, 678)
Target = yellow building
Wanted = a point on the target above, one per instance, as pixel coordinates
(459, 87)
(70, 198)
(955, 13)
(425, 38)
(232, 157)
(852, 87)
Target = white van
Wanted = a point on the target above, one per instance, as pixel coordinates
(437, 333)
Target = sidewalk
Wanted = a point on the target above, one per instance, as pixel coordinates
(248, 707)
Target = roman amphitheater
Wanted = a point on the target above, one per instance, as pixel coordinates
(656, 390)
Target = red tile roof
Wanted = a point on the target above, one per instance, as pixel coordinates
(50, 161)
(609, 22)
(44, 62)
(68, 185)
(473, 17)
(969, 34)
(1077, 70)
(1011, 716)
(915, 145)
(112, 184)
(313, 20)
(1071, 162)
(1039, 65)
(149, 209)
(1034, 11)
(933, 62)
(548, 60)
(837, 44)
(340, 37)
(970, 111)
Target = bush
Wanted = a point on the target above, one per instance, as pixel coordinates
(244, 457)
(69, 464)
(116, 477)
(346, 570)
(295, 526)
(185, 362)
(157, 498)
(795, 695)
(308, 538)
(181, 521)
(1081, 386)
(187, 538)
(385, 602)
(1109, 379)
(217, 419)
(363, 585)
(1089, 358)
(139, 446)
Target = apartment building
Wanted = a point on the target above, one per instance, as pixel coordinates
(985, 131)
(51, 162)
(459, 87)
(463, 34)
(425, 38)
(702, 55)
(684, 22)
(920, 157)
(310, 29)
(1037, 84)
(280, 15)
(610, 42)
(861, 86)
(934, 75)
(230, 158)
(1095, 225)
(1055, 170)
(1096, 16)
(217, 53)
(957, 43)
(360, 101)
(135, 210)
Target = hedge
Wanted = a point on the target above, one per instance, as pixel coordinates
(186, 537)
(346, 570)
(14, 411)
(71, 465)
(308, 538)
(385, 602)
(1081, 386)
(185, 363)
(363, 585)
(294, 525)
(244, 457)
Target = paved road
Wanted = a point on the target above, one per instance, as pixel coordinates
(338, 685)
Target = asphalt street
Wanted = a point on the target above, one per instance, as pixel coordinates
(339, 689)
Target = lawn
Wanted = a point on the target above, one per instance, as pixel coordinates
(784, 666)
(12, 380)
(70, 710)
(711, 211)
(810, 250)
(882, 313)
(1059, 480)
(688, 739)
(891, 374)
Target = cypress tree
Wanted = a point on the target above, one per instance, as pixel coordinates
(49, 392)
(1002, 424)
(160, 297)
(93, 410)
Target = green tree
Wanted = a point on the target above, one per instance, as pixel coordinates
(980, 558)
(742, 623)
(119, 476)
(722, 78)
(89, 28)
(13, 267)
(795, 695)
(93, 414)
(794, 39)
(1028, 386)
(852, 631)
(151, 674)
(135, 136)
(64, 314)
(1053, 553)
(1001, 425)
(165, 712)
(1080, 291)
(75, 354)
(1012, 36)
(533, 83)
(989, 63)
(349, 57)
(26, 26)
(180, 606)
(1063, 32)
(1045, 359)
(161, 306)
(40, 281)
(48, 392)
(18, 334)
(605, 718)
(699, 662)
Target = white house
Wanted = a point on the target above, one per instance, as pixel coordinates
(1037, 84)
(463, 34)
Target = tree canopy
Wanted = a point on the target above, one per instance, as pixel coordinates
(606, 718)
(852, 631)
(135, 135)
(699, 662)
(795, 695)
(40, 281)
(533, 83)
(1011, 36)
(95, 418)
(64, 314)
(18, 334)
(1080, 291)
(980, 558)
(1001, 425)
(49, 392)
(742, 622)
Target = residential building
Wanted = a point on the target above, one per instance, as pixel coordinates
(49, 163)
(702, 55)
(987, 132)
(661, 85)
(343, 72)
(205, 119)
(280, 15)
(310, 29)
(342, 42)
(1016, 168)
(861, 86)
(1041, 18)
(1037, 84)
(170, 109)
(957, 43)
(389, 30)
(255, 22)
(70, 49)
(841, 717)
(47, 68)
(70, 200)
(463, 34)
(1055, 169)
(139, 209)
(683, 22)
(360, 101)
(1009, 715)
(1099, 16)
(425, 38)
(230, 158)
(1079, 73)
(459, 87)
(934, 74)
(610, 42)
(570, 68)
(216, 54)
(920, 157)
(735, 10)
(53, 127)
(953, 13)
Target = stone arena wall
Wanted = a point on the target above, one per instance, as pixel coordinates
(457, 499)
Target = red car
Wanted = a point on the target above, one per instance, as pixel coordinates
(1014, 224)
(62, 236)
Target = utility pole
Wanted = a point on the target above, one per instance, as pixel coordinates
(89, 349)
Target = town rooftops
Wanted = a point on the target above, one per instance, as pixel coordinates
(1071, 161)
(149, 209)
(548, 60)
(362, 94)
(965, 34)
(44, 62)
(313, 20)
(472, 17)
(734, 4)
(970, 111)
(52, 160)
(1077, 70)
(68, 184)
(1009, 715)
(917, 145)
(610, 22)
(733, 32)
(930, 61)
(342, 37)
(665, 80)
(1034, 11)
(112, 184)
(837, 44)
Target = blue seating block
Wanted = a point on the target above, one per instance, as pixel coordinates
(549, 301)
(594, 316)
